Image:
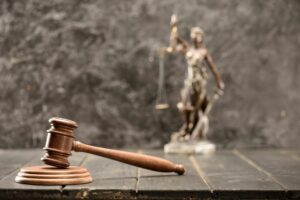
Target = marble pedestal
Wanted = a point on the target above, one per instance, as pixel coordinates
(189, 147)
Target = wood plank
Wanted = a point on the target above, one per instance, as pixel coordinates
(111, 179)
(294, 154)
(77, 158)
(281, 165)
(9, 189)
(159, 185)
(10, 160)
(265, 174)
(230, 176)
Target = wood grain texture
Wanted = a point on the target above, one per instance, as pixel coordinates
(77, 158)
(111, 179)
(9, 189)
(263, 174)
(11, 160)
(153, 184)
(281, 165)
(229, 175)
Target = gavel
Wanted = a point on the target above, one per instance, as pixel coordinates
(61, 141)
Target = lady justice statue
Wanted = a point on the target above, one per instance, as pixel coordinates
(195, 103)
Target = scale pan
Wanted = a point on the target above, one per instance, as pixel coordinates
(162, 106)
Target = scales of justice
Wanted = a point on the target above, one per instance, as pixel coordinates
(195, 103)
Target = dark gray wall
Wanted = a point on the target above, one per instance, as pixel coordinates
(94, 62)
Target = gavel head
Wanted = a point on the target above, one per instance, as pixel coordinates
(59, 142)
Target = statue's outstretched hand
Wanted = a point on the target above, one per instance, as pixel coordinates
(221, 86)
(173, 20)
(219, 90)
(163, 50)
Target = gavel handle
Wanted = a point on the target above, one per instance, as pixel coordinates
(139, 160)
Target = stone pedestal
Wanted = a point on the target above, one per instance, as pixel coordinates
(188, 147)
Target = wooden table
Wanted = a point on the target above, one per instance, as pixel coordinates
(237, 174)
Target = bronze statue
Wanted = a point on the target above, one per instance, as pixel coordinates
(195, 103)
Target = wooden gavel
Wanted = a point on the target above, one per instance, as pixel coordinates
(60, 142)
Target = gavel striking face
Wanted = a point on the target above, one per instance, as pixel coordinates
(60, 142)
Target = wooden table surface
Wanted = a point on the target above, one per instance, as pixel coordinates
(236, 174)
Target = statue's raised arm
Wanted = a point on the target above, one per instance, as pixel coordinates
(177, 44)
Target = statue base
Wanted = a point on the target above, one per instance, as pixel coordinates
(190, 147)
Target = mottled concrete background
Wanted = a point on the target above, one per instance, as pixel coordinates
(94, 62)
